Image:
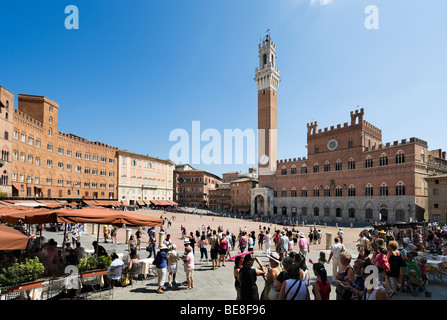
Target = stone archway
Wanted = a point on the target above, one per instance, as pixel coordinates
(259, 203)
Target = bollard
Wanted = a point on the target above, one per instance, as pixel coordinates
(336, 225)
(351, 225)
(93, 229)
(328, 241)
(161, 238)
(128, 232)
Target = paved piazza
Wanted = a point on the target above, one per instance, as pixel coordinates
(214, 284)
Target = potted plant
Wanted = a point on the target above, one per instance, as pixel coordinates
(94, 265)
(22, 276)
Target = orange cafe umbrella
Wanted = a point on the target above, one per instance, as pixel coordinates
(99, 215)
(11, 239)
(34, 216)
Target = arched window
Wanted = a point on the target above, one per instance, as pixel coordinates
(304, 168)
(383, 189)
(338, 165)
(327, 166)
(400, 189)
(293, 170)
(293, 192)
(303, 192)
(316, 211)
(316, 167)
(400, 157)
(304, 211)
(369, 190)
(351, 213)
(338, 191)
(369, 214)
(283, 171)
(351, 164)
(351, 191)
(368, 162)
(383, 160)
(327, 191)
(327, 212)
(338, 212)
(283, 192)
(275, 193)
(316, 192)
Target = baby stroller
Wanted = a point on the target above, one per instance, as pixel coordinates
(414, 284)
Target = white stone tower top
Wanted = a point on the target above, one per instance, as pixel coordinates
(267, 75)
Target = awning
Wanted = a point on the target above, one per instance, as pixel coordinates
(11, 239)
(90, 202)
(124, 202)
(17, 186)
(140, 203)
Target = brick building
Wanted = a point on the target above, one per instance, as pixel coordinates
(144, 178)
(47, 163)
(437, 198)
(349, 174)
(220, 198)
(241, 195)
(192, 186)
(6, 106)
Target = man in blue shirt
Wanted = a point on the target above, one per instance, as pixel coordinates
(161, 263)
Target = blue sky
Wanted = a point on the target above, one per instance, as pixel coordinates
(136, 70)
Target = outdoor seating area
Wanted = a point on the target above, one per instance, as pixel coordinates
(26, 271)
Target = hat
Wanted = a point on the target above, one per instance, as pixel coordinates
(382, 232)
(163, 247)
(301, 235)
(274, 256)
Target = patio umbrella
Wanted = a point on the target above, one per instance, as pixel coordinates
(239, 255)
(31, 216)
(11, 239)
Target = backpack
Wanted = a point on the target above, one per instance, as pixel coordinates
(243, 242)
(385, 264)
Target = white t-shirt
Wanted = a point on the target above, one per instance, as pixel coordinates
(336, 249)
(267, 239)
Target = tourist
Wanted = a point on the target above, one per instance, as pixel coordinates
(71, 259)
(251, 241)
(300, 261)
(344, 277)
(161, 263)
(243, 241)
(134, 267)
(75, 236)
(358, 286)
(151, 244)
(303, 244)
(336, 249)
(372, 292)
(247, 278)
(113, 233)
(189, 268)
(290, 236)
(267, 242)
(214, 249)
(260, 239)
(229, 239)
(396, 261)
(321, 289)
(283, 245)
(322, 258)
(105, 232)
(99, 250)
(132, 245)
(380, 259)
(115, 270)
(273, 270)
(223, 247)
(172, 267)
(237, 267)
(167, 241)
(192, 241)
(79, 251)
(340, 234)
(138, 236)
(203, 251)
(276, 288)
(293, 288)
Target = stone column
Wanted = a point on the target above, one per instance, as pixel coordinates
(161, 237)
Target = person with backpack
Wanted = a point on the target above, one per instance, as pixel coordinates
(243, 241)
(380, 259)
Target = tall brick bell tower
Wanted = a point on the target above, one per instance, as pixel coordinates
(267, 81)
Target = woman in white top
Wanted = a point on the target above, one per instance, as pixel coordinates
(267, 238)
(293, 288)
